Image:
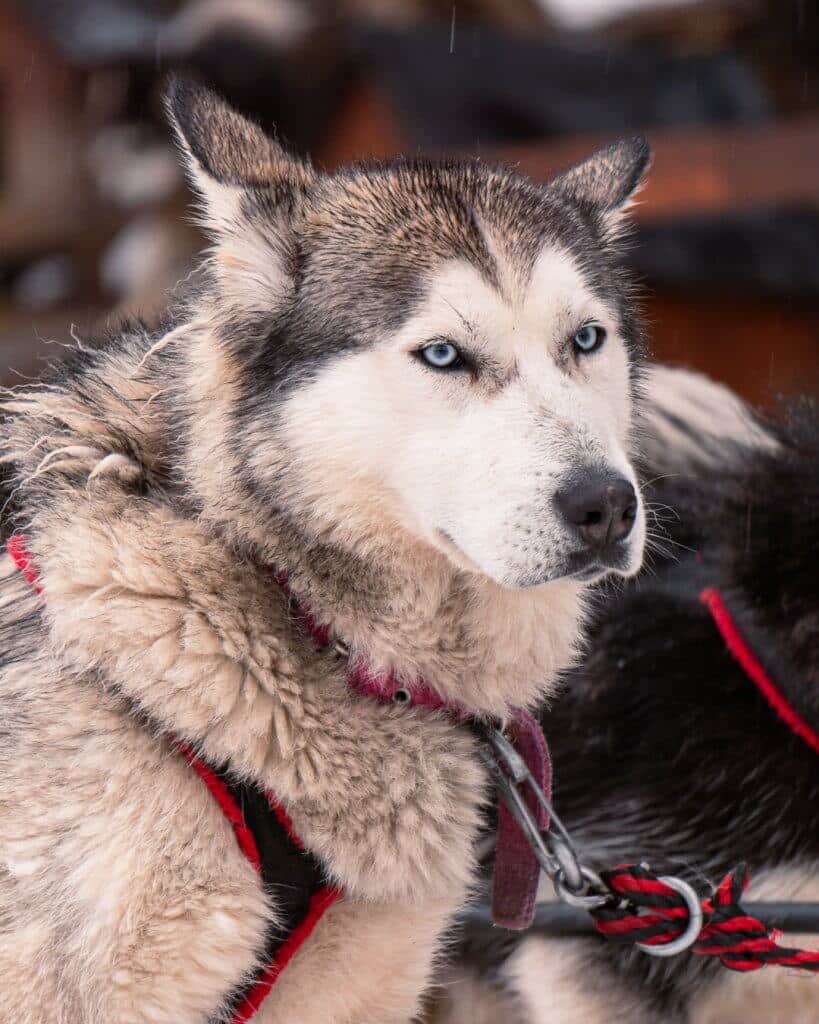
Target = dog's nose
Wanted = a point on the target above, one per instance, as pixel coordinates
(602, 509)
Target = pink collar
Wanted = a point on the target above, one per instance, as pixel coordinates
(382, 686)
(517, 872)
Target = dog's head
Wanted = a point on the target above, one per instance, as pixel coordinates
(444, 349)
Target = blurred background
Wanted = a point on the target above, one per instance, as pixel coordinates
(93, 221)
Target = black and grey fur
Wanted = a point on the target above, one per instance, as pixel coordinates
(663, 748)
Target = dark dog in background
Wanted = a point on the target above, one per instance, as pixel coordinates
(664, 749)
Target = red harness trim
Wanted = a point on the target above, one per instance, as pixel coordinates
(741, 651)
(320, 901)
(228, 806)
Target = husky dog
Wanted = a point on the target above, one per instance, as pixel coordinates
(664, 750)
(410, 389)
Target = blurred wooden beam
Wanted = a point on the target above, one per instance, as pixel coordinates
(759, 345)
(701, 170)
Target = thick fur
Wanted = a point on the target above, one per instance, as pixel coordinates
(281, 421)
(663, 749)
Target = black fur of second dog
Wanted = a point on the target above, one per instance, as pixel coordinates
(663, 749)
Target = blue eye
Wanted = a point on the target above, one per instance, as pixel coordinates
(589, 338)
(442, 355)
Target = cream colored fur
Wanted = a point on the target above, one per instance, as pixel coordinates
(691, 421)
(123, 894)
(483, 644)
(387, 798)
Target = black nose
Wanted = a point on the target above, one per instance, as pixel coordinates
(602, 508)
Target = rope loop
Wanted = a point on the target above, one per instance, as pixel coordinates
(649, 911)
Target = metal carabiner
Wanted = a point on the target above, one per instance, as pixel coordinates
(596, 895)
(574, 883)
(558, 837)
(524, 818)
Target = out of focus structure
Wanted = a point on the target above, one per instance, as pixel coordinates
(93, 207)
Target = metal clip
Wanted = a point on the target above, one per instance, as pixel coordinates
(554, 850)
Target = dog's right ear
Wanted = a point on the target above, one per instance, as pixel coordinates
(249, 187)
(226, 154)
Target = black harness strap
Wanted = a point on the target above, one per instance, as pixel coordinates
(290, 875)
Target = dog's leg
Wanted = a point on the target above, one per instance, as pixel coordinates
(393, 948)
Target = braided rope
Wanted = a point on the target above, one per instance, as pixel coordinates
(651, 912)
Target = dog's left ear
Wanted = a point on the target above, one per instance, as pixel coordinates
(608, 180)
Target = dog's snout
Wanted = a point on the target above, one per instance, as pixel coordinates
(601, 509)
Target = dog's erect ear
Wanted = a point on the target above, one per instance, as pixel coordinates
(609, 179)
(249, 187)
(227, 154)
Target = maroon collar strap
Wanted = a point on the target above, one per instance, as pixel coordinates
(517, 871)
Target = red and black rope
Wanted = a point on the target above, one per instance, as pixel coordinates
(651, 912)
